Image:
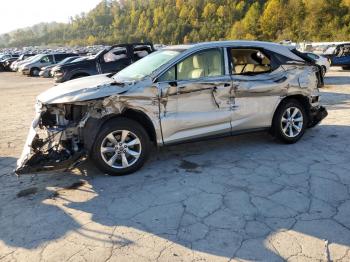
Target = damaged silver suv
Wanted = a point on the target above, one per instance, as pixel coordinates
(177, 94)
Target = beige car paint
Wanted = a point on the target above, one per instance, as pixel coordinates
(192, 109)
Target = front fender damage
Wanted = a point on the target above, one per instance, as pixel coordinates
(56, 136)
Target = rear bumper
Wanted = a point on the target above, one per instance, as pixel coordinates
(317, 115)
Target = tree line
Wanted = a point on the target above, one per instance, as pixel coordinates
(184, 21)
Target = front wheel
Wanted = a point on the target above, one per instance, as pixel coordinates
(34, 72)
(121, 147)
(290, 121)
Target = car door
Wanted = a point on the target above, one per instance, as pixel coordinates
(257, 84)
(114, 60)
(195, 98)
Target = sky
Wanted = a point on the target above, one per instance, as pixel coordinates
(16, 14)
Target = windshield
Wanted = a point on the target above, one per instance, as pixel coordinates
(145, 66)
(67, 60)
(79, 59)
(4, 57)
(37, 58)
(31, 58)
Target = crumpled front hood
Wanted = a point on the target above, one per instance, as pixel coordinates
(82, 89)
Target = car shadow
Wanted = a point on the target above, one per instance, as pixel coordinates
(223, 197)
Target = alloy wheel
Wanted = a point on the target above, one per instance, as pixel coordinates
(292, 122)
(120, 149)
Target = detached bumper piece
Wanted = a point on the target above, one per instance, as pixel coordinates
(317, 115)
(47, 150)
(46, 162)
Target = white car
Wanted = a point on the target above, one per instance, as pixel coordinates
(321, 61)
(174, 95)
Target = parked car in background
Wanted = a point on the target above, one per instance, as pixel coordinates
(322, 61)
(109, 60)
(46, 70)
(4, 56)
(339, 55)
(32, 68)
(7, 58)
(177, 94)
(57, 67)
(4, 63)
(21, 59)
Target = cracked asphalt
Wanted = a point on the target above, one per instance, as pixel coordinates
(244, 198)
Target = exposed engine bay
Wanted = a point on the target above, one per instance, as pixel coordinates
(56, 138)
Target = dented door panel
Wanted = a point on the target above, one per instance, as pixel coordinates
(196, 108)
(256, 98)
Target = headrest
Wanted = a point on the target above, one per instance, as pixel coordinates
(197, 61)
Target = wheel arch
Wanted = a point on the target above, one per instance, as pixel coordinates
(303, 100)
(94, 125)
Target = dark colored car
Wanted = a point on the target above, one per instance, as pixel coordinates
(109, 60)
(339, 55)
(46, 70)
(6, 62)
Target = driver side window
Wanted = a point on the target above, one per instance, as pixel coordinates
(46, 59)
(202, 64)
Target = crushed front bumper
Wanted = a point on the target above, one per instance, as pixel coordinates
(317, 115)
(43, 150)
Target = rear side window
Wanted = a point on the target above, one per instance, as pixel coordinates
(249, 61)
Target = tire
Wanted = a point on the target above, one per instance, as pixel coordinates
(121, 161)
(34, 71)
(288, 130)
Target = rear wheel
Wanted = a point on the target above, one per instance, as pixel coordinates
(290, 121)
(121, 147)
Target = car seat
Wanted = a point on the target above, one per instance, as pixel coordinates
(198, 67)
